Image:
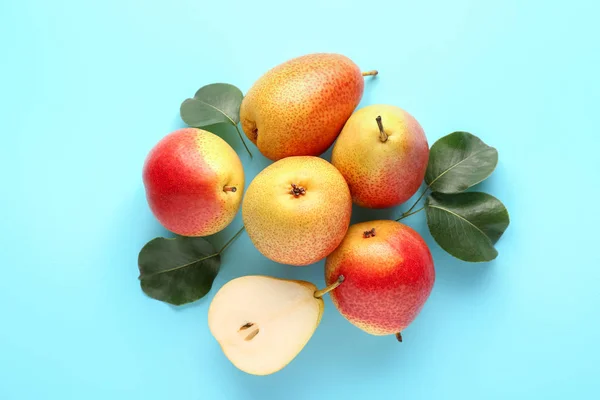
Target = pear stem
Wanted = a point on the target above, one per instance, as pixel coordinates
(382, 135)
(370, 73)
(231, 189)
(322, 292)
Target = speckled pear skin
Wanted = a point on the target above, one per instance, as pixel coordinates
(381, 174)
(299, 107)
(388, 277)
(185, 175)
(303, 229)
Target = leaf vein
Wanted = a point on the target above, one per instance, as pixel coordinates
(463, 219)
(143, 276)
(457, 164)
(218, 109)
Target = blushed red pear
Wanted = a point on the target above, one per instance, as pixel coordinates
(194, 182)
(389, 275)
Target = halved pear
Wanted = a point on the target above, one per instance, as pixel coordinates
(262, 323)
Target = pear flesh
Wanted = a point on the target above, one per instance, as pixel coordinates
(262, 323)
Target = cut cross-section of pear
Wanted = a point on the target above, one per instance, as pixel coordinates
(262, 323)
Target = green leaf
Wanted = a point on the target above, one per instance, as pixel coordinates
(467, 225)
(213, 104)
(458, 161)
(178, 271)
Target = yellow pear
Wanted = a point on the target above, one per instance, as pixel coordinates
(300, 106)
(297, 210)
(262, 323)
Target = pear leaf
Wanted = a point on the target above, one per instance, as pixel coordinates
(178, 271)
(467, 225)
(458, 161)
(213, 104)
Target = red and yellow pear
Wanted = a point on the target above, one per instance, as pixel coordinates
(389, 275)
(382, 153)
(194, 182)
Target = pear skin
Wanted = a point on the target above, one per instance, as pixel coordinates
(299, 107)
(194, 182)
(297, 210)
(382, 153)
(389, 275)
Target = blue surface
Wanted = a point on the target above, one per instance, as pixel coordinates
(88, 87)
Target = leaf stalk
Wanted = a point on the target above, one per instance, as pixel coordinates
(408, 212)
(226, 245)
(242, 139)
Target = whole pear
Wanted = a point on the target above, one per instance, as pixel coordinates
(388, 272)
(194, 182)
(297, 210)
(299, 107)
(382, 153)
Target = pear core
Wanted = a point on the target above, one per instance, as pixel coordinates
(262, 323)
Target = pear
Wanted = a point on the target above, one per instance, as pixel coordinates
(297, 210)
(262, 323)
(299, 107)
(382, 153)
(194, 182)
(389, 275)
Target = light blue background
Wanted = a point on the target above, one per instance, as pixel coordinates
(88, 87)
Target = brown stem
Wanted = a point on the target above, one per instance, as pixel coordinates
(322, 292)
(231, 189)
(370, 73)
(399, 337)
(382, 135)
